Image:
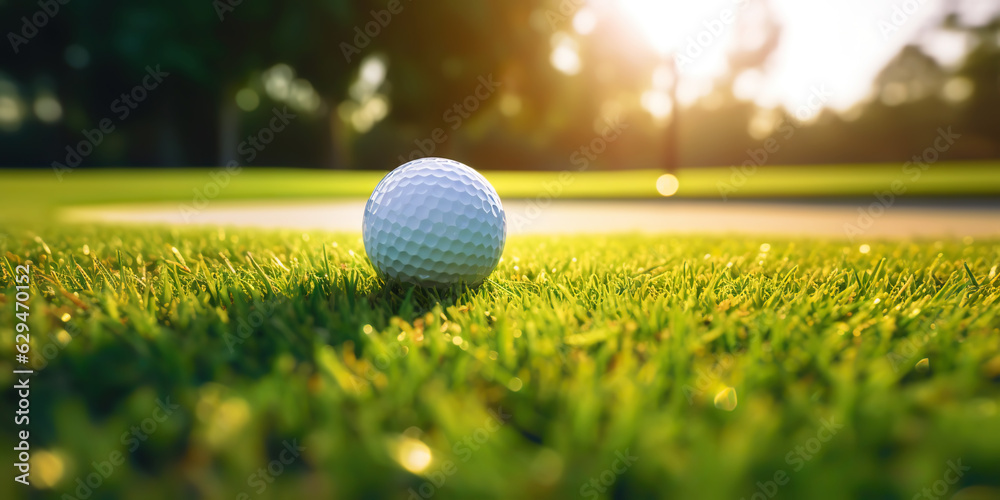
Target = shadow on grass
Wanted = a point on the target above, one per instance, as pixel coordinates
(188, 345)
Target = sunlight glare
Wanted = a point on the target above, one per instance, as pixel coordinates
(837, 47)
(413, 455)
(657, 104)
(668, 24)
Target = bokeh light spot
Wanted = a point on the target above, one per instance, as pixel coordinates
(957, 89)
(515, 384)
(564, 55)
(48, 468)
(10, 112)
(48, 109)
(657, 104)
(667, 185)
(585, 21)
(77, 56)
(247, 99)
(510, 105)
(413, 455)
(278, 81)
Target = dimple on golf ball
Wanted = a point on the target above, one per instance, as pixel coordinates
(434, 222)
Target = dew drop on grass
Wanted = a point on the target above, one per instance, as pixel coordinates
(66, 317)
(726, 399)
(515, 384)
(367, 329)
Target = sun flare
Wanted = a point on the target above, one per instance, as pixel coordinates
(667, 24)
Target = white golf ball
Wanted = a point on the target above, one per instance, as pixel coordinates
(434, 222)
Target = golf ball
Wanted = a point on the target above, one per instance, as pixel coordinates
(434, 222)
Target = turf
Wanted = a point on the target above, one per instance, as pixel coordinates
(33, 193)
(723, 366)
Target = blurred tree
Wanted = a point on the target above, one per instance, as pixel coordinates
(209, 49)
(437, 56)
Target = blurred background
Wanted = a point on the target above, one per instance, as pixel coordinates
(512, 85)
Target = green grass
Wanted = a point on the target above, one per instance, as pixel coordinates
(594, 346)
(34, 193)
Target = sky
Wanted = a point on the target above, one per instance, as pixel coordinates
(832, 47)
